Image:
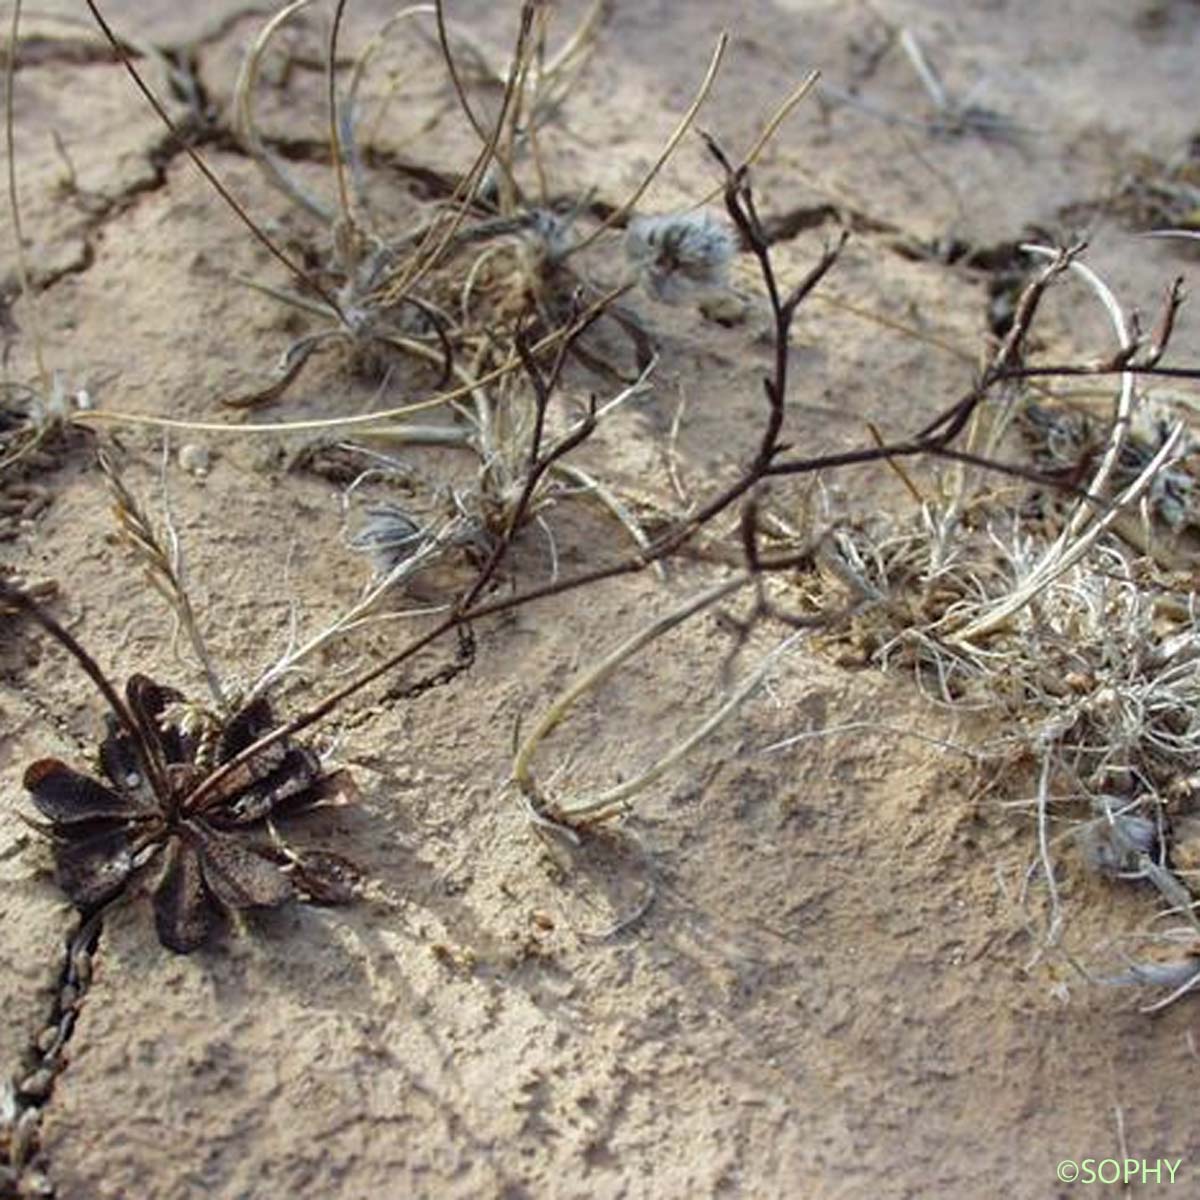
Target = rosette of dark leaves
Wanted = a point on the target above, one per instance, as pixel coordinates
(214, 858)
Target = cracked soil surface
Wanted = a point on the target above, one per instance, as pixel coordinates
(829, 996)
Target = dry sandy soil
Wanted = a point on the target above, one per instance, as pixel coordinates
(832, 993)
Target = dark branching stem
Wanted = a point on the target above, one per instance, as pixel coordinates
(739, 202)
(467, 608)
(1082, 369)
(129, 722)
(934, 440)
(539, 462)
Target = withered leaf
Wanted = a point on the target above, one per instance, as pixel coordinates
(67, 797)
(101, 833)
(236, 874)
(291, 780)
(244, 729)
(148, 701)
(325, 877)
(182, 914)
(120, 761)
(92, 870)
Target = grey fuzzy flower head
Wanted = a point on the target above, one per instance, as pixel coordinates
(680, 253)
(390, 536)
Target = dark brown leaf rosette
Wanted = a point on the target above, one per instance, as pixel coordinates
(156, 804)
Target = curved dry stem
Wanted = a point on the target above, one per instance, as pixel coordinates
(760, 143)
(14, 206)
(460, 90)
(593, 487)
(374, 44)
(1048, 570)
(247, 131)
(615, 801)
(522, 771)
(578, 46)
(1124, 406)
(1065, 551)
(423, 260)
(335, 133)
(1172, 233)
(685, 123)
(202, 166)
(14, 598)
(100, 417)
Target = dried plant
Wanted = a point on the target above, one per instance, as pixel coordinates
(492, 294)
(32, 416)
(164, 568)
(1054, 632)
(680, 254)
(156, 757)
(954, 116)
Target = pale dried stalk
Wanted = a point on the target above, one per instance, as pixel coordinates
(354, 616)
(615, 801)
(163, 569)
(373, 46)
(247, 130)
(1050, 569)
(673, 141)
(767, 133)
(1064, 552)
(14, 205)
(1125, 398)
(522, 772)
(102, 417)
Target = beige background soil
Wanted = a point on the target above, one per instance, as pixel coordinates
(829, 997)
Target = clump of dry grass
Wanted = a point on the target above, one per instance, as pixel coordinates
(1068, 634)
(32, 415)
(491, 291)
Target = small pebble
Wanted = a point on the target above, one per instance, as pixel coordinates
(194, 459)
(24, 1138)
(37, 1086)
(33, 506)
(82, 962)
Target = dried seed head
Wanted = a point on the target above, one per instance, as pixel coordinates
(678, 253)
(1173, 488)
(390, 536)
(548, 235)
(1115, 843)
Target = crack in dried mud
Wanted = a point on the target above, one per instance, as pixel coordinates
(36, 51)
(24, 1097)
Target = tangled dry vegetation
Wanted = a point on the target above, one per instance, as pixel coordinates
(1041, 575)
